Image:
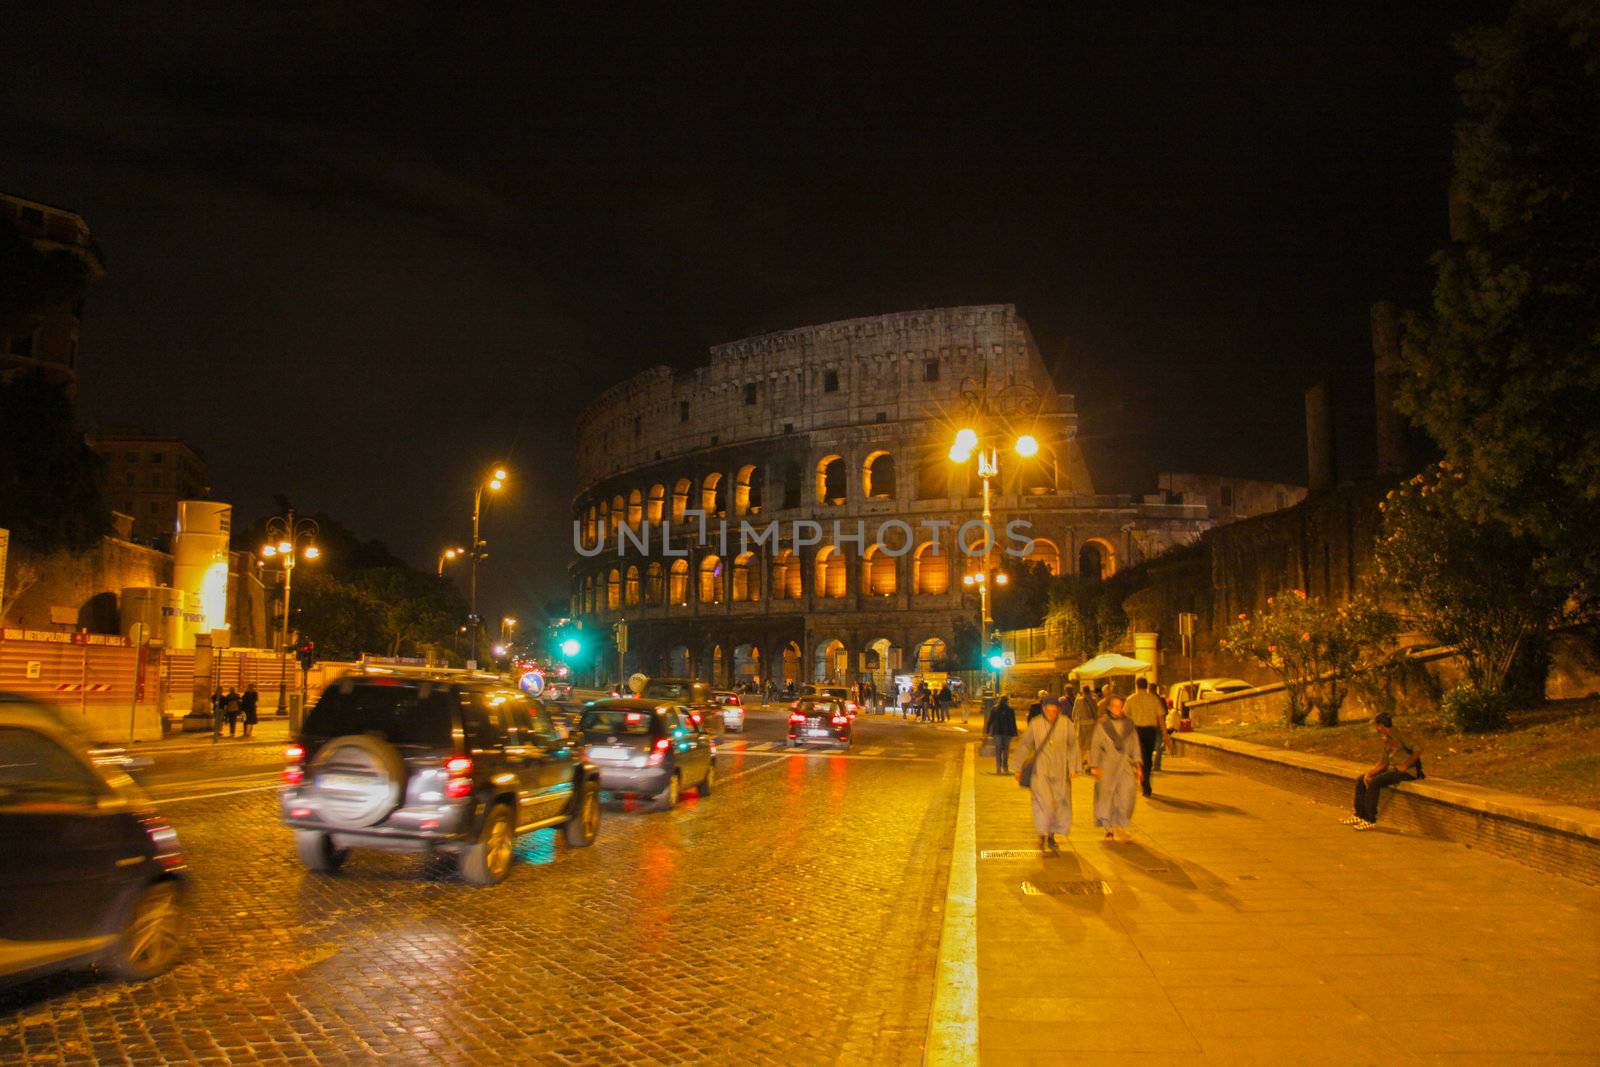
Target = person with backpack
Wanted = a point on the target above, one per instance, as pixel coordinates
(1000, 727)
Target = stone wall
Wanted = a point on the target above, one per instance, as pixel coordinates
(87, 583)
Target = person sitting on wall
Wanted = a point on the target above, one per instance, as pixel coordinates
(1401, 762)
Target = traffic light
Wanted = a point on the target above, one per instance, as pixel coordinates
(571, 647)
(308, 654)
(997, 656)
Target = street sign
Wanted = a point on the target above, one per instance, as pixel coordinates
(621, 630)
(531, 682)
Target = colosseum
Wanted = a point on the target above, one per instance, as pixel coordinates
(703, 493)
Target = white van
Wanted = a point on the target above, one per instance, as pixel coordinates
(1183, 694)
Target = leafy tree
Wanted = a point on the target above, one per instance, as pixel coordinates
(1504, 370)
(50, 479)
(1468, 583)
(1025, 598)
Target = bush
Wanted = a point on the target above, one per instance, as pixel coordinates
(1477, 710)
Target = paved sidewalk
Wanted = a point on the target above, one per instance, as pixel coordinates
(1246, 925)
(270, 730)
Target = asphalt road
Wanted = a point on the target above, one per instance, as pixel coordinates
(793, 917)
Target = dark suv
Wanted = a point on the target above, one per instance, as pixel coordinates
(443, 763)
(693, 696)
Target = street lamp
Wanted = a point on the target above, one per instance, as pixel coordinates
(494, 482)
(448, 554)
(288, 539)
(966, 443)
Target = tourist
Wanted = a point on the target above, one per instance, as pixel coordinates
(1000, 727)
(1116, 762)
(1050, 756)
(1401, 762)
(248, 704)
(1149, 715)
(1083, 719)
(230, 709)
(1037, 707)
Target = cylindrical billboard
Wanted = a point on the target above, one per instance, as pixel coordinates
(200, 560)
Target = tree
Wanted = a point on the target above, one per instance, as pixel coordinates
(50, 479)
(1504, 370)
(1469, 583)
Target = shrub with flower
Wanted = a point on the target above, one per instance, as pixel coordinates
(1313, 648)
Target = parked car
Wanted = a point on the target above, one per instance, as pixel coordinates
(648, 749)
(732, 710)
(692, 695)
(816, 721)
(1182, 694)
(91, 876)
(442, 763)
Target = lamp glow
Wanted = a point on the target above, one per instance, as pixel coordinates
(285, 547)
(1027, 445)
(570, 647)
(967, 439)
(312, 552)
(959, 454)
(500, 474)
(268, 551)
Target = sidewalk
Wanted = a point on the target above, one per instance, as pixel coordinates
(1245, 925)
(270, 730)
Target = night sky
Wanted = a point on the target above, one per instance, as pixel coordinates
(358, 253)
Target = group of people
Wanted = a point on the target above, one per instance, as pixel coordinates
(232, 706)
(927, 704)
(1115, 739)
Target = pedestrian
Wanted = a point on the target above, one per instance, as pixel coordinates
(1083, 720)
(1401, 762)
(1049, 760)
(230, 709)
(1036, 709)
(1161, 745)
(247, 704)
(1000, 728)
(216, 714)
(942, 700)
(1145, 711)
(1116, 762)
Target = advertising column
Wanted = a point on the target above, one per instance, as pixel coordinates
(200, 561)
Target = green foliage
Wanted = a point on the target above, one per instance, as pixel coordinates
(1088, 615)
(1469, 582)
(1476, 710)
(50, 479)
(1314, 648)
(1504, 370)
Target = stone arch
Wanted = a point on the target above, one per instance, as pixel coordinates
(747, 664)
(1097, 559)
(680, 498)
(619, 510)
(747, 577)
(788, 577)
(713, 494)
(877, 476)
(1043, 550)
(604, 518)
(678, 583)
(877, 666)
(630, 587)
(791, 659)
(879, 572)
(933, 476)
(831, 577)
(652, 584)
(930, 570)
(613, 589)
(831, 663)
(588, 605)
(929, 653)
(680, 664)
(748, 489)
(719, 665)
(589, 532)
(831, 488)
(635, 509)
(655, 503)
(711, 579)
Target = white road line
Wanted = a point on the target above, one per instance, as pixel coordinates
(207, 796)
(953, 1024)
(204, 783)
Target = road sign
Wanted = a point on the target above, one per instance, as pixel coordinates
(531, 682)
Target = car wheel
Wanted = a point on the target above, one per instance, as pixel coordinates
(669, 796)
(583, 825)
(488, 861)
(316, 851)
(148, 943)
(709, 782)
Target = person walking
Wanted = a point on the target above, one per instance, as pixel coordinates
(1001, 728)
(230, 709)
(942, 701)
(1116, 762)
(1083, 719)
(1401, 762)
(247, 705)
(1050, 757)
(1102, 701)
(1037, 707)
(1149, 717)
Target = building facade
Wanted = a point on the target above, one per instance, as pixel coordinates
(146, 475)
(1229, 499)
(791, 511)
(48, 340)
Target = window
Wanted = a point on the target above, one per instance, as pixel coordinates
(133, 479)
(749, 393)
(878, 572)
(635, 509)
(711, 580)
(830, 573)
(22, 346)
(786, 576)
(930, 570)
(680, 499)
(614, 589)
(830, 381)
(877, 476)
(683, 411)
(788, 427)
(678, 584)
(713, 495)
(155, 480)
(746, 577)
(930, 370)
(747, 490)
(657, 503)
(630, 588)
(830, 480)
(652, 584)
(883, 416)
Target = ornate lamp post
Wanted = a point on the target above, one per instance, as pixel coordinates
(288, 539)
(494, 482)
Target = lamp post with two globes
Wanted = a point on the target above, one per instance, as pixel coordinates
(966, 444)
(288, 539)
(495, 481)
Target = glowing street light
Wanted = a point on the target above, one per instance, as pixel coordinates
(1027, 446)
(284, 532)
(495, 481)
(448, 554)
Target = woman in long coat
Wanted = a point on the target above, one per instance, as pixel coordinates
(1116, 762)
(1052, 744)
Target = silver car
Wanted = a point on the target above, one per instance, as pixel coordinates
(732, 710)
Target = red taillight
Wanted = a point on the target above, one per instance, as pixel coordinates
(294, 753)
(294, 774)
(634, 717)
(841, 720)
(694, 717)
(797, 717)
(460, 770)
(659, 752)
(849, 706)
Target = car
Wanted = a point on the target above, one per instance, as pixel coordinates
(691, 694)
(732, 710)
(92, 877)
(820, 721)
(648, 749)
(840, 693)
(450, 764)
(557, 691)
(1182, 694)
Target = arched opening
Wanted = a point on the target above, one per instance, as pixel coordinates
(877, 476)
(791, 484)
(587, 600)
(604, 519)
(878, 575)
(930, 570)
(931, 655)
(1043, 550)
(655, 504)
(630, 587)
(748, 488)
(1096, 561)
(1037, 476)
(711, 580)
(746, 665)
(652, 584)
(680, 499)
(678, 662)
(791, 664)
(717, 664)
(933, 476)
(619, 511)
(786, 576)
(833, 662)
(678, 582)
(877, 666)
(713, 496)
(746, 577)
(589, 531)
(614, 589)
(635, 509)
(830, 580)
(831, 480)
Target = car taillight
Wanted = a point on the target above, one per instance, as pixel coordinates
(460, 770)
(797, 717)
(694, 717)
(293, 772)
(659, 752)
(849, 706)
(840, 720)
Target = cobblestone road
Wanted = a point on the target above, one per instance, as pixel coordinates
(791, 918)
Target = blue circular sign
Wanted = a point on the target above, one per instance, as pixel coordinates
(532, 683)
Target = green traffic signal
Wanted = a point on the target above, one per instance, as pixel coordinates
(571, 647)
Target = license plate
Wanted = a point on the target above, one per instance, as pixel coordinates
(608, 753)
(816, 733)
(342, 781)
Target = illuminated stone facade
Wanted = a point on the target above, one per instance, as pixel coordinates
(851, 422)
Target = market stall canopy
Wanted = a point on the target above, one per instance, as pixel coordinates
(1108, 664)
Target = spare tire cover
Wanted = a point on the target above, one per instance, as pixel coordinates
(358, 779)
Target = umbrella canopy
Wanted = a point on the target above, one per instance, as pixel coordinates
(1108, 664)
